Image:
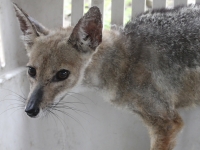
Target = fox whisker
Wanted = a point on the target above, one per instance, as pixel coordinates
(55, 116)
(81, 95)
(67, 114)
(11, 108)
(150, 66)
(18, 95)
(18, 100)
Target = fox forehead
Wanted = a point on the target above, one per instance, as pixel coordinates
(53, 51)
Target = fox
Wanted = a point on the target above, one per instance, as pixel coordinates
(151, 66)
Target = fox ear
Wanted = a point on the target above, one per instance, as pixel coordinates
(87, 34)
(31, 28)
(40, 29)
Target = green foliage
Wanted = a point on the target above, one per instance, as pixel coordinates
(107, 11)
(107, 14)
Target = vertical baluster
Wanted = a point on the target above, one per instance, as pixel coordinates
(100, 5)
(2, 59)
(138, 6)
(180, 2)
(117, 12)
(159, 3)
(77, 11)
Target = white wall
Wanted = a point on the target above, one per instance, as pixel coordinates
(100, 127)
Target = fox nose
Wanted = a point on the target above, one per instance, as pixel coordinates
(32, 107)
(33, 111)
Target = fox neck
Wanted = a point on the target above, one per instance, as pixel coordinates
(102, 72)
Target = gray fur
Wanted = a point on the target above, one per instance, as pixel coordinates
(151, 66)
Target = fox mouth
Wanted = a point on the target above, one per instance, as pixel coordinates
(32, 109)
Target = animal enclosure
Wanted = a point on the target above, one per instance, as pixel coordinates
(95, 124)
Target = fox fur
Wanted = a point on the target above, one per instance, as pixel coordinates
(151, 66)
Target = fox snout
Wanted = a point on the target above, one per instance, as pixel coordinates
(57, 59)
(32, 111)
(32, 107)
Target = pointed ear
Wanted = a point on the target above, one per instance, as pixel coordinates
(87, 34)
(31, 29)
(40, 29)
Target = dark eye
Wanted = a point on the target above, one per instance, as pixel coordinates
(62, 75)
(31, 71)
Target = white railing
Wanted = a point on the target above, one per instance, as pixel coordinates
(12, 52)
(118, 8)
(14, 58)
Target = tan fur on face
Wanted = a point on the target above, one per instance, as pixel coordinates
(50, 54)
(151, 66)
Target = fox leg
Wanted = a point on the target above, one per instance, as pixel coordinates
(163, 132)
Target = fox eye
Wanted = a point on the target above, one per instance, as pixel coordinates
(62, 75)
(32, 71)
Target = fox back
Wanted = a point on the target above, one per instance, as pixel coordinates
(151, 66)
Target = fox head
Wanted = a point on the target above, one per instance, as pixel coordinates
(57, 59)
